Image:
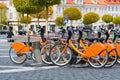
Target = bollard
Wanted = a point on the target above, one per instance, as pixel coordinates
(37, 54)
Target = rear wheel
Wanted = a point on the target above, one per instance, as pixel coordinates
(100, 60)
(45, 51)
(17, 58)
(59, 58)
(112, 58)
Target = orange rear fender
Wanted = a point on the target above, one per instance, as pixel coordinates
(117, 46)
(19, 47)
(94, 50)
(109, 46)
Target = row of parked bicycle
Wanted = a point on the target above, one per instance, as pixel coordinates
(97, 52)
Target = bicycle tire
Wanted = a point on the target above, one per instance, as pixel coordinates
(112, 58)
(46, 53)
(56, 56)
(17, 59)
(95, 61)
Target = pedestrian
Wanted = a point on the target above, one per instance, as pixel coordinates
(10, 34)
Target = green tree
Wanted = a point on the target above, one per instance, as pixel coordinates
(3, 17)
(107, 18)
(116, 20)
(72, 13)
(42, 14)
(59, 21)
(25, 20)
(90, 18)
(46, 3)
(26, 7)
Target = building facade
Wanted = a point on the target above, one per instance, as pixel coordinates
(99, 6)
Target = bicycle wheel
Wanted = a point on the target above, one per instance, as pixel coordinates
(112, 58)
(118, 60)
(45, 51)
(59, 58)
(100, 60)
(17, 58)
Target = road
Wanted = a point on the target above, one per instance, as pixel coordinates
(11, 71)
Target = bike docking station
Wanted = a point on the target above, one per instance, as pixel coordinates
(35, 40)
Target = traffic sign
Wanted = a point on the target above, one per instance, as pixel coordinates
(65, 20)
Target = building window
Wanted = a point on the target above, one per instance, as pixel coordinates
(81, 1)
(95, 1)
(116, 8)
(11, 16)
(112, 8)
(63, 1)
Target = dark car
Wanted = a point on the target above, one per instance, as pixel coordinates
(22, 32)
(3, 32)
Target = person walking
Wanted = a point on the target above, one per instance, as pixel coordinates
(10, 34)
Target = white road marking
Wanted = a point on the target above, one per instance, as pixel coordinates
(4, 56)
(4, 49)
(24, 69)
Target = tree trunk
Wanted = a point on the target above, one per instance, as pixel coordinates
(46, 31)
(71, 23)
(1, 16)
(38, 22)
(27, 26)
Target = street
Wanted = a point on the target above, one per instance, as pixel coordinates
(11, 71)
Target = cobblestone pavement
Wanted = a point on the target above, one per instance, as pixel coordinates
(11, 71)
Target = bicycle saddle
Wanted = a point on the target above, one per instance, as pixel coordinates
(55, 39)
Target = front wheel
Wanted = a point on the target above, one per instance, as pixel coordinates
(100, 60)
(45, 51)
(17, 58)
(112, 58)
(59, 58)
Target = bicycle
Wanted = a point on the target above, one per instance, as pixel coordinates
(23, 51)
(96, 54)
(110, 47)
(117, 44)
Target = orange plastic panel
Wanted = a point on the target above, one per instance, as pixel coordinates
(94, 50)
(109, 46)
(20, 47)
(117, 46)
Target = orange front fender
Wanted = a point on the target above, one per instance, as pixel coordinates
(19, 47)
(117, 46)
(94, 50)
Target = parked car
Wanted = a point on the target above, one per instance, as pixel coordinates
(3, 32)
(22, 32)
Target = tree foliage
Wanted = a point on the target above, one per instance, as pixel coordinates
(3, 16)
(72, 13)
(59, 21)
(107, 18)
(42, 14)
(23, 19)
(2, 6)
(26, 7)
(46, 2)
(90, 17)
(116, 20)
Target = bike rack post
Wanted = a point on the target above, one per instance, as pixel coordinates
(37, 54)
